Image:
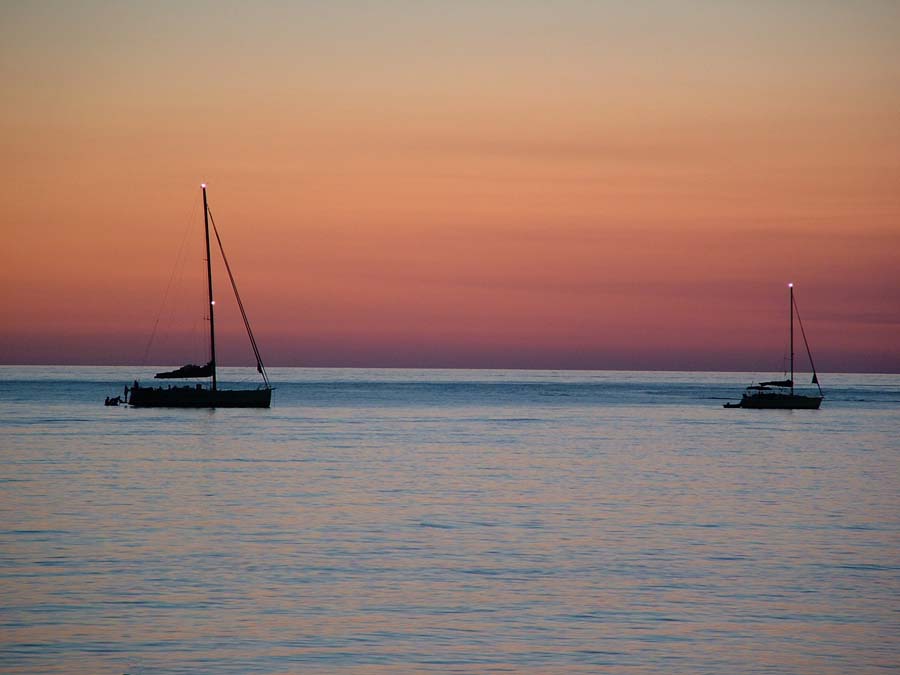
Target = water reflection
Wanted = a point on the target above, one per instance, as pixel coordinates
(427, 536)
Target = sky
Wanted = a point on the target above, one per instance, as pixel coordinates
(566, 184)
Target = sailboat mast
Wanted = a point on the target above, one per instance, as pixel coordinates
(791, 286)
(212, 303)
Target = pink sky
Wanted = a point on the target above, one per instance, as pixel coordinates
(565, 185)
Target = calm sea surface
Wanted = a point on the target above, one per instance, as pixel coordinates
(412, 521)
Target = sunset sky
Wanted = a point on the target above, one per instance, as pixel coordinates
(565, 184)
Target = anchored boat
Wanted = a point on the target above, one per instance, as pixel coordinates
(202, 395)
(780, 394)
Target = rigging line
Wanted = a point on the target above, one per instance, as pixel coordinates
(259, 364)
(178, 263)
(808, 351)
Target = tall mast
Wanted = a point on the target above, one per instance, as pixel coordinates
(212, 303)
(791, 286)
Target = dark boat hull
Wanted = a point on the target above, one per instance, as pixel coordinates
(197, 397)
(776, 401)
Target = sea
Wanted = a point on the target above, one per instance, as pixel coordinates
(449, 521)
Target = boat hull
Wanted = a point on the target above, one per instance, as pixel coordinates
(198, 397)
(776, 401)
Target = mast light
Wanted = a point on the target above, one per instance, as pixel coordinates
(790, 285)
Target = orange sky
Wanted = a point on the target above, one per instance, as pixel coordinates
(569, 184)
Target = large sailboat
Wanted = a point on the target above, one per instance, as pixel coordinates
(200, 395)
(780, 394)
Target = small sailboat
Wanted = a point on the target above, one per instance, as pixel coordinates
(780, 394)
(201, 395)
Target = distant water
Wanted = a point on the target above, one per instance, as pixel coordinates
(411, 521)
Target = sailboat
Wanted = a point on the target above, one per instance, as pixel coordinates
(204, 395)
(780, 394)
